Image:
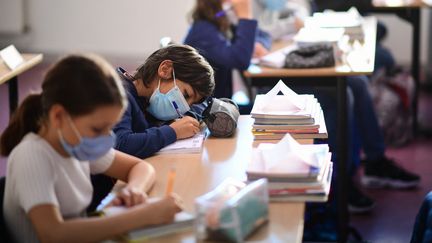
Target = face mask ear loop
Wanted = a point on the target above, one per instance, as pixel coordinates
(74, 128)
(174, 78)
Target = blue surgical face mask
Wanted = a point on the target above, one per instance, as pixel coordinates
(168, 106)
(275, 5)
(87, 149)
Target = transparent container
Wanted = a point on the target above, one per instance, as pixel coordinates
(232, 211)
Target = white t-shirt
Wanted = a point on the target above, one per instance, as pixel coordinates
(37, 174)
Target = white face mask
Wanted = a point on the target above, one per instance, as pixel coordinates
(168, 106)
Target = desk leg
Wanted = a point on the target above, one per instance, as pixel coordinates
(342, 173)
(415, 61)
(13, 94)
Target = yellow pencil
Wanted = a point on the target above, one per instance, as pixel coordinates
(170, 183)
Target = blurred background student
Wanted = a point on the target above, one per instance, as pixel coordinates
(55, 140)
(225, 33)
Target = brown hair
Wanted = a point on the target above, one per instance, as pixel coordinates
(189, 66)
(208, 10)
(80, 83)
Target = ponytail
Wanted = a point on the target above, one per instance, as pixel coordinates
(80, 83)
(26, 119)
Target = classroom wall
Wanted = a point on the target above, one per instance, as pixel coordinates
(132, 28)
(400, 36)
(129, 28)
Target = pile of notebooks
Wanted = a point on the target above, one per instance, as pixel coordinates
(351, 21)
(295, 172)
(282, 111)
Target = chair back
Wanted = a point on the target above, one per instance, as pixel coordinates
(4, 233)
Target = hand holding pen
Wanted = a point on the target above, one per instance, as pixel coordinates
(126, 196)
(185, 127)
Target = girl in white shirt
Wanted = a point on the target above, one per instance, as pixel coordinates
(55, 140)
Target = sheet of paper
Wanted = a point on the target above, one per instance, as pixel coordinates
(11, 57)
(188, 145)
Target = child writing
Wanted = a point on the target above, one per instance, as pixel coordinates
(162, 89)
(55, 141)
(159, 93)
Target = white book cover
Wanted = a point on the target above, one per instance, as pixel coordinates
(287, 105)
(332, 19)
(288, 158)
(315, 35)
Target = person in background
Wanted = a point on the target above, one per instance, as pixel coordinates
(55, 140)
(224, 32)
(159, 93)
(280, 18)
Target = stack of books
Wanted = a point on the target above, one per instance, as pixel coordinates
(282, 111)
(295, 172)
(351, 21)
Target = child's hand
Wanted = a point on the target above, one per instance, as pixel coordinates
(129, 197)
(185, 127)
(242, 8)
(164, 210)
(298, 23)
(259, 50)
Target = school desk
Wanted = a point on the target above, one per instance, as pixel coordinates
(196, 174)
(11, 76)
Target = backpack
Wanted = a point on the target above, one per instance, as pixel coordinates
(392, 94)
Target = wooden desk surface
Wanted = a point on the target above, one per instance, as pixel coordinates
(402, 3)
(30, 60)
(222, 158)
(341, 69)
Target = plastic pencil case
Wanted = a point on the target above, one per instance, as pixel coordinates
(232, 211)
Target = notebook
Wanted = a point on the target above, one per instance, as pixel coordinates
(183, 221)
(191, 145)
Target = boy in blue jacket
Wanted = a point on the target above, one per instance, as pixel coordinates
(160, 93)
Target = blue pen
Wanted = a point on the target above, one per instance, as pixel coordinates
(177, 109)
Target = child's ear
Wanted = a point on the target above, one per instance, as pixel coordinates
(57, 115)
(165, 69)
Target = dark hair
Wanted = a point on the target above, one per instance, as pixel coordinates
(189, 66)
(209, 10)
(80, 83)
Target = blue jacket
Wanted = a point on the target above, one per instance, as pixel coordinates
(224, 54)
(422, 231)
(136, 135)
